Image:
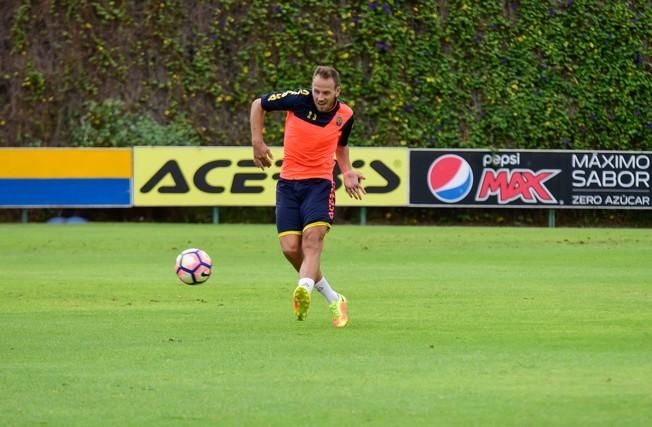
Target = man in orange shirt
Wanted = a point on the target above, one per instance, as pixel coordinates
(317, 128)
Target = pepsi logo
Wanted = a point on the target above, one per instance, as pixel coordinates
(450, 178)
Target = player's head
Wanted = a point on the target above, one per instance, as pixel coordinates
(325, 87)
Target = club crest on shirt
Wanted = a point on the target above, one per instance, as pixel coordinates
(338, 122)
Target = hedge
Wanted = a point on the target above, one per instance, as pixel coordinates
(447, 73)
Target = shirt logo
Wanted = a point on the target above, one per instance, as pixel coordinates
(339, 121)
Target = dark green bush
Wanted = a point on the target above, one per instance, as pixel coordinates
(108, 124)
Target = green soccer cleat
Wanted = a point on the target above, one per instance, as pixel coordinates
(301, 299)
(338, 310)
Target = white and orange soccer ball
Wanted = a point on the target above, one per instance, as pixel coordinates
(194, 266)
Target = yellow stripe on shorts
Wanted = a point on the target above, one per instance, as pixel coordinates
(317, 224)
(288, 233)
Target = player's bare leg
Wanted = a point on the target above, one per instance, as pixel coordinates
(312, 244)
(291, 247)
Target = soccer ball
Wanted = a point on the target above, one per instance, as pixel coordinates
(193, 266)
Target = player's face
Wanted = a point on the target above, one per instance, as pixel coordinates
(324, 93)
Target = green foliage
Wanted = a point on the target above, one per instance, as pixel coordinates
(20, 27)
(108, 124)
(34, 81)
(451, 73)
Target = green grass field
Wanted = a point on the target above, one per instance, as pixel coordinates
(449, 326)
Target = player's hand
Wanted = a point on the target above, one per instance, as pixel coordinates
(353, 184)
(262, 155)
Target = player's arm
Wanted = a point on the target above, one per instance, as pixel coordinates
(262, 154)
(274, 101)
(352, 179)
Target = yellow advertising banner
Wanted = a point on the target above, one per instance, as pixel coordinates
(227, 176)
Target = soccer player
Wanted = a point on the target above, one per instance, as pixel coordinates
(317, 128)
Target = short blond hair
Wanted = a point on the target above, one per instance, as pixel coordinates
(327, 72)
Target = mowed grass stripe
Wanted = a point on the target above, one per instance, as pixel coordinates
(449, 326)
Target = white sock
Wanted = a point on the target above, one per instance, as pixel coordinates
(325, 289)
(306, 282)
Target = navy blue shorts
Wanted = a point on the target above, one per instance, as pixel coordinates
(304, 203)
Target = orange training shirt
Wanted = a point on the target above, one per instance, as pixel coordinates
(311, 137)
